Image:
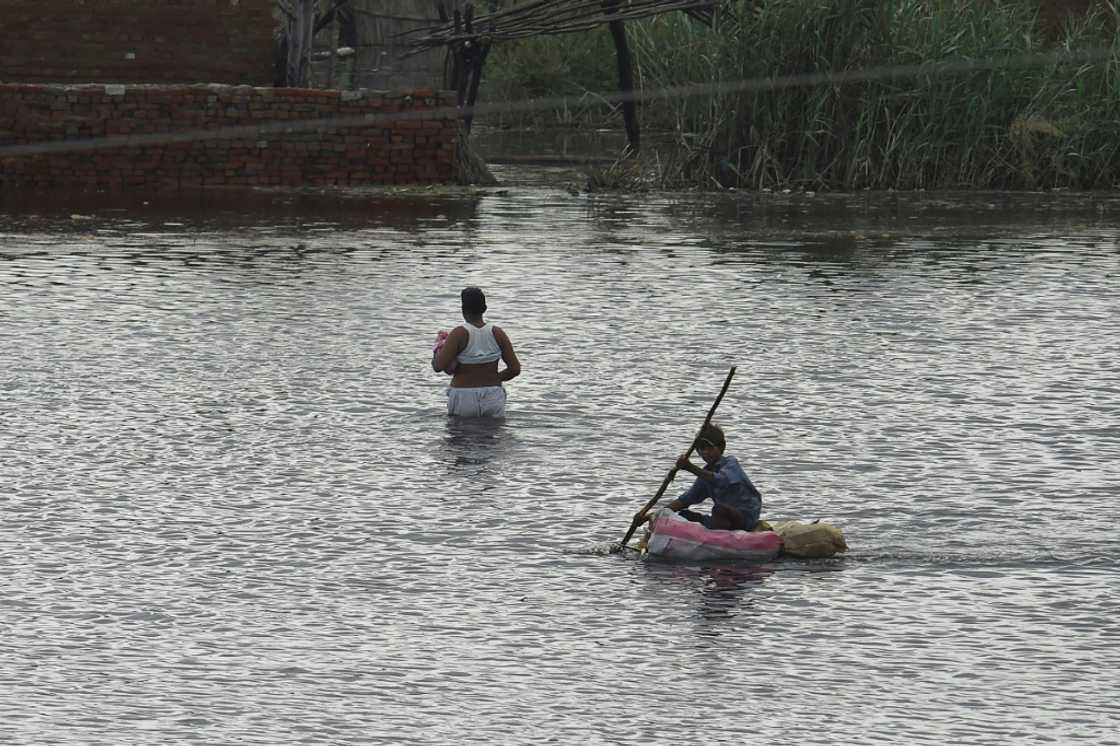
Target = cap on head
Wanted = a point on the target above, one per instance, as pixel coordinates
(711, 436)
(474, 301)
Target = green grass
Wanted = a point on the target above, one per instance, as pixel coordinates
(574, 67)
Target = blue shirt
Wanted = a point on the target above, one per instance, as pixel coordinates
(731, 487)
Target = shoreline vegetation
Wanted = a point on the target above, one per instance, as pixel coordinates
(822, 95)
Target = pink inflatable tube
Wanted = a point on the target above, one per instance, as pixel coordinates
(674, 537)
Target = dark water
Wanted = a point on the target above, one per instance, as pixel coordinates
(235, 511)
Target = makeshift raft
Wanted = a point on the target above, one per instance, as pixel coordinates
(671, 536)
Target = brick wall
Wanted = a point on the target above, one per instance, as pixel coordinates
(149, 138)
(136, 41)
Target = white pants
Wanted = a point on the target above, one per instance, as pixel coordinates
(485, 401)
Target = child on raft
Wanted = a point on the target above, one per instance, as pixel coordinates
(736, 502)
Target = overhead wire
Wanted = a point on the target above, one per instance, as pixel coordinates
(755, 85)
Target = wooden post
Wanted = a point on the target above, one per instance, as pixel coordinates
(475, 69)
(333, 47)
(301, 29)
(470, 55)
(625, 81)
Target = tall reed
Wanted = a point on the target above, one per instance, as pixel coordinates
(875, 94)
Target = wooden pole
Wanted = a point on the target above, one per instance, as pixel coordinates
(299, 43)
(673, 472)
(475, 69)
(333, 48)
(625, 81)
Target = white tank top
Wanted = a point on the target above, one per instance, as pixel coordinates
(481, 346)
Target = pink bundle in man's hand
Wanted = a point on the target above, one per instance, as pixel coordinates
(441, 339)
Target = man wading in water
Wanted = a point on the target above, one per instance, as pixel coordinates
(470, 354)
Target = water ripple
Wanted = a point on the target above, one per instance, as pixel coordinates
(235, 511)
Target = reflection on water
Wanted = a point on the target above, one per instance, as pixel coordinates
(236, 510)
(721, 590)
(473, 442)
(724, 594)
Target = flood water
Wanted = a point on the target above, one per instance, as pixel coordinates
(235, 510)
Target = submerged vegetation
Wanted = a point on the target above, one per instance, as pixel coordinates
(846, 94)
